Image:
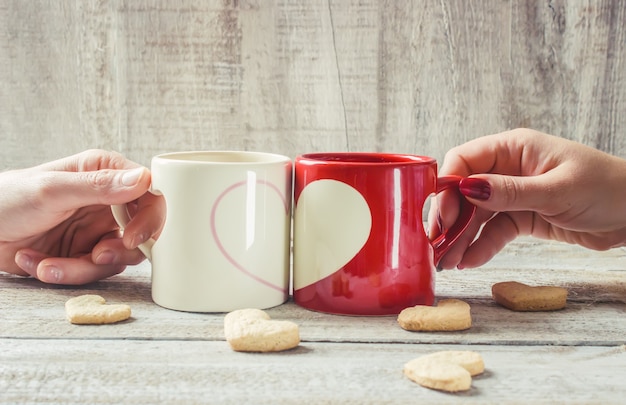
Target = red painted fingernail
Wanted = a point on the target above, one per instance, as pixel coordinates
(475, 188)
(440, 223)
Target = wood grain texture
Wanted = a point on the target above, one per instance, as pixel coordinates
(133, 372)
(597, 302)
(572, 356)
(294, 76)
(577, 325)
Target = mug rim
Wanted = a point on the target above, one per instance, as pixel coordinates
(363, 158)
(239, 157)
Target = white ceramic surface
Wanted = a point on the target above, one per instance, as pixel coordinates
(225, 243)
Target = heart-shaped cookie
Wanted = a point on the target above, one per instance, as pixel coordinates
(450, 370)
(522, 297)
(92, 309)
(448, 315)
(252, 330)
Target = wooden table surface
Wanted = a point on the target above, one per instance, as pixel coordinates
(576, 355)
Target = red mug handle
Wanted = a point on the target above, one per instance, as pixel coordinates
(442, 243)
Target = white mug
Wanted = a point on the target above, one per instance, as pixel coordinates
(225, 244)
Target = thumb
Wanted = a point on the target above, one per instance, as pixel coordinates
(70, 190)
(496, 192)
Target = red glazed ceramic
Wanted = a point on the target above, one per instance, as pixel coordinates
(360, 247)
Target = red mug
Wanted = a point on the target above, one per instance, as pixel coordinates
(360, 247)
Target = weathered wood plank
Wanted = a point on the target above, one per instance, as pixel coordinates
(590, 276)
(34, 314)
(130, 372)
(294, 76)
(596, 282)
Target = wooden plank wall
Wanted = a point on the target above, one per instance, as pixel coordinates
(292, 76)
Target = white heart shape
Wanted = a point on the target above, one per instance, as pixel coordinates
(244, 218)
(332, 222)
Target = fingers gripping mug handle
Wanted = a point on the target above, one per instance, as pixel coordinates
(442, 243)
(122, 217)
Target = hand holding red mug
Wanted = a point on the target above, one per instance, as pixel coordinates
(528, 183)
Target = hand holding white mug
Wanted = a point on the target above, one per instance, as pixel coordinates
(56, 224)
(225, 242)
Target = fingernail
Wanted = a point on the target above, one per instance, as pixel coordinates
(440, 222)
(138, 239)
(439, 268)
(25, 262)
(131, 177)
(478, 189)
(106, 257)
(460, 267)
(50, 274)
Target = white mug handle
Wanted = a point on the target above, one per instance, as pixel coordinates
(122, 217)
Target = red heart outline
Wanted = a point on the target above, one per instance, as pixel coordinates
(221, 246)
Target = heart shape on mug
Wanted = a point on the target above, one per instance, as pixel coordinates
(332, 223)
(252, 255)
